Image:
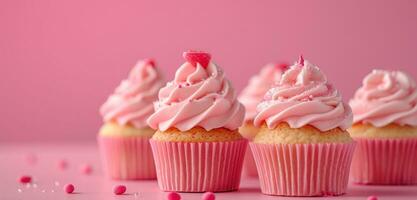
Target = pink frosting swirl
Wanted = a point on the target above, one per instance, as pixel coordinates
(258, 85)
(198, 96)
(132, 100)
(304, 97)
(386, 97)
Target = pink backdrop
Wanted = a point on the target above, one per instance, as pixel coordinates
(60, 59)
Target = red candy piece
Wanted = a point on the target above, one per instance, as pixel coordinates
(174, 196)
(69, 188)
(301, 60)
(208, 196)
(150, 62)
(25, 179)
(282, 66)
(195, 57)
(372, 198)
(119, 189)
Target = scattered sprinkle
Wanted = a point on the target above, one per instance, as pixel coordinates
(43, 191)
(52, 190)
(119, 189)
(25, 179)
(69, 188)
(35, 185)
(208, 196)
(174, 196)
(56, 183)
(28, 185)
(19, 190)
(86, 169)
(372, 198)
(62, 164)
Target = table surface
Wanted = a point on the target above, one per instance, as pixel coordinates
(41, 162)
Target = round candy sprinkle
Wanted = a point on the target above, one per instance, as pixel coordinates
(25, 179)
(86, 169)
(119, 189)
(208, 196)
(62, 164)
(372, 198)
(69, 188)
(174, 196)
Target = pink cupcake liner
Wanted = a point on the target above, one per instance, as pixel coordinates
(385, 161)
(249, 166)
(199, 166)
(303, 169)
(127, 158)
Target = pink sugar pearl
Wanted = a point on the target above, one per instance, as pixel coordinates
(62, 164)
(372, 198)
(25, 179)
(208, 196)
(119, 189)
(86, 169)
(174, 196)
(69, 188)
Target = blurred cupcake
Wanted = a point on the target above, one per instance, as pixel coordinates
(124, 137)
(302, 147)
(197, 146)
(250, 97)
(385, 128)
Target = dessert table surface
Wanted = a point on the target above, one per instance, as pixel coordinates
(45, 163)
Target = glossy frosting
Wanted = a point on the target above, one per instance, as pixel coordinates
(199, 96)
(304, 97)
(132, 101)
(258, 85)
(386, 97)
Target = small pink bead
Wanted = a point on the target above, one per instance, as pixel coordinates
(174, 196)
(25, 179)
(372, 198)
(119, 189)
(62, 164)
(208, 196)
(69, 188)
(86, 169)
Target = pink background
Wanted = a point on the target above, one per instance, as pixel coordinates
(60, 59)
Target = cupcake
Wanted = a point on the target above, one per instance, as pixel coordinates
(250, 97)
(302, 147)
(197, 146)
(124, 137)
(385, 128)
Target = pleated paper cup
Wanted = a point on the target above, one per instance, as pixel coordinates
(385, 161)
(249, 166)
(127, 158)
(199, 166)
(303, 169)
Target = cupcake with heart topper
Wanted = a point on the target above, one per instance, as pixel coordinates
(250, 97)
(124, 137)
(385, 128)
(302, 147)
(197, 146)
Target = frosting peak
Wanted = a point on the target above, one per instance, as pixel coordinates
(198, 96)
(258, 85)
(131, 102)
(386, 97)
(304, 97)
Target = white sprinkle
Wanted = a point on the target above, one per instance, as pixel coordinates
(35, 185)
(43, 191)
(28, 185)
(52, 190)
(19, 190)
(56, 183)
